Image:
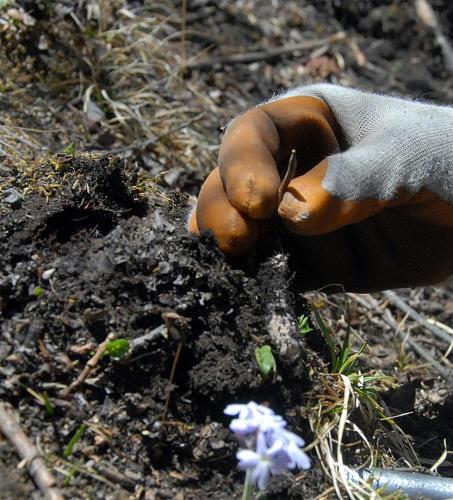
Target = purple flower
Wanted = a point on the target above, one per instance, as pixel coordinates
(264, 461)
(252, 417)
(271, 449)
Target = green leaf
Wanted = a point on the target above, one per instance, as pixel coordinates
(304, 327)
(90, 32)
(74, 440)
(265, 360)
(50, 408)
(117, 348)
(69, 149)
(73, 471)
(38, 292)
(328, 336)
(350, 360)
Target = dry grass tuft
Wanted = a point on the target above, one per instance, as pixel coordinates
(352, 426)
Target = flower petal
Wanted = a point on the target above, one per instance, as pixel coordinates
(260, 475)
(261, 446)
(280, 462)
(233, 409)
(293, 438)
(298, 457)
(276, 447)
(268, 422)
(241, 427)
(247, 459)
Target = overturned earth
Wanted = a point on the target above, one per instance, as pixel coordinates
(88, 249)
(91, 248)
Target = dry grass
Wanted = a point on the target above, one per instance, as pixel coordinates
(132, 94)
(347, 420)
(145, 95)
(352, 425)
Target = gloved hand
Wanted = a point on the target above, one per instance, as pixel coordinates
(371, 206)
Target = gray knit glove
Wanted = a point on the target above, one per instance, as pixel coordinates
(392, 144)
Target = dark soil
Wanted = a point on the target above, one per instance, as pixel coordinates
(104, 262)
(85, 253)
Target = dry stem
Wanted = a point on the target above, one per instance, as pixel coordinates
(90, 366)
(35, 464)
(398, 302)
(372, 304)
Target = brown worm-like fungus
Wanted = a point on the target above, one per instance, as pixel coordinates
(289, 174)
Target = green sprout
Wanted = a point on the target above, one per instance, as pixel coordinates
(304, 327)
(343, 360)
(38, 292)
(74, 440)
(73, 472)
(265, 359)
(69, 149)
(367, 387)
(49, 407)
(117, 348)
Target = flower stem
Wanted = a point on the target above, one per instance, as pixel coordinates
(247, 490)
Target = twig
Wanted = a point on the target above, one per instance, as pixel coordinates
(398, 302)
(90, 366)
(427, 15)
(423, 353)
(182, 62)
(35, 464)
(440, 325)
(28, 129)
(12, 149)
(175, 325)
(115, 476)
(265, 55)
(290, 173)
(372, 304)
(170, 383)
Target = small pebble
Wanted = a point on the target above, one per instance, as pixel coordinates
(12, 197)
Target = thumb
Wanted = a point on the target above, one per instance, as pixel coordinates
(309, 209)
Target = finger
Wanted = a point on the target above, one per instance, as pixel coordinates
(257, 146)
(247, 162)
(308, 209)
(235, 233)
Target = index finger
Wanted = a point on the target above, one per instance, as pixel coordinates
(257, 146)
